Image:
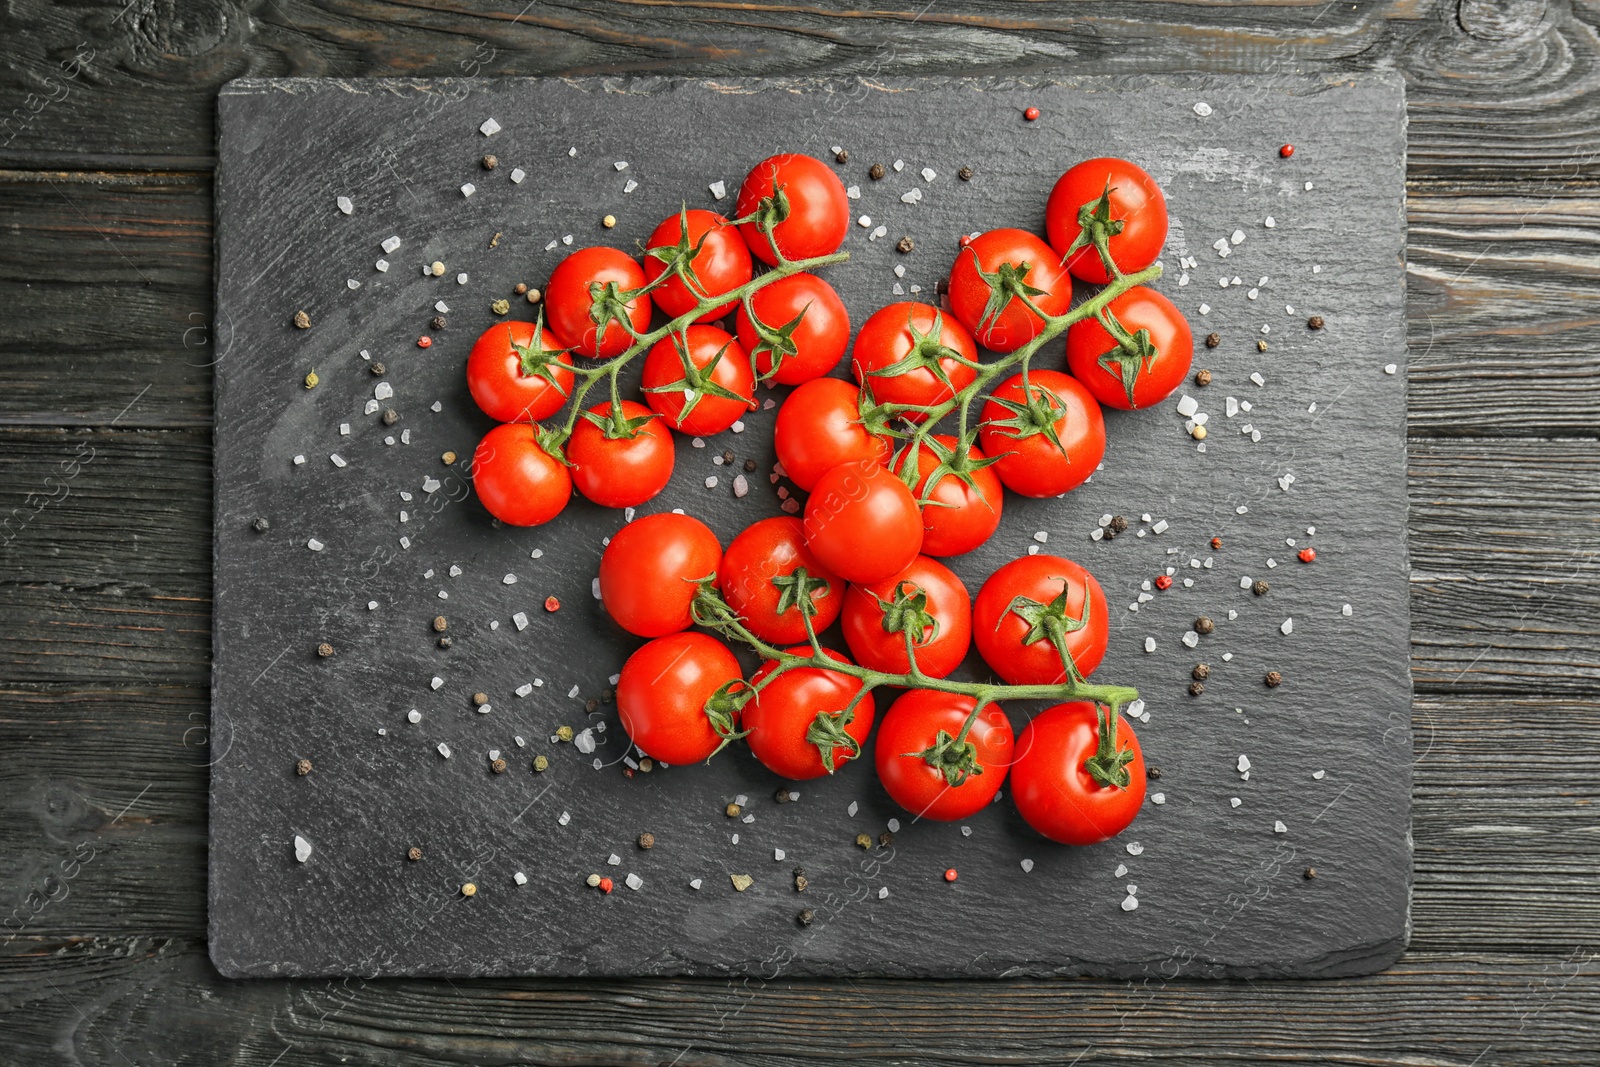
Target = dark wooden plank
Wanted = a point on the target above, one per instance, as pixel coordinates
(1503, 304)
(107, 285)
(1493, 86)
(139, 1000)
(108, 570)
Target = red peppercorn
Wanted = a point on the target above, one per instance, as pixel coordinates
(424, 341)
(1163, 581)
(1308, 555)
(1216, 542)
(1286, 151)
(950, 875)
(1031, 114)
(552, 604)
(605, 885)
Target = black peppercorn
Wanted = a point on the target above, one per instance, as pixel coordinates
(1213, 340)
(1119, 523)
(647, 840)
(906, 244)
(261, 525)
(497, 765)
(727, 457)
(1315, 322)
(1204, 625)
(445, 642)
(390, 416)
(965, 174)
(1202, 377)
(1273, 679)
(440, 623)
(302, 320)
(438, 322)
(876, 172)
(843, 155)
(885, 839)
(1201, 672)
(324, 650)
(1311, 872)
(1196, 688)
(520, 288)
(805, 916)
(749, 466)
(783, 796)
(490, 162)
(413, 853)
(1260, 587)
(302, 767)
(800, 880)
(1153, 773)
(377, 370)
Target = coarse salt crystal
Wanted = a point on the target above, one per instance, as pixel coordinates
(1234, 802)
(1191, 638)
(1205, 309)
(337, 460)
(1187, 405)
(1255, 376)
(382, 391)
(444, 750)
(1269, 222)
(302, 848)
(718, 189)
(517, 174)
(1135, 848)
(711, 482)
(1287, 627)
(1279, 828)
(520, 620)
(1202, 109)
(390, 244)
(467, 189)
(314, 545)
(928, 174)
(1390, 368)
(1149, 644)
(852, 809)
(1027, 865)
(865, 222)
(564, 818)
(1160, 527)
(854, 192)
(1130, 903)
(1158, 798)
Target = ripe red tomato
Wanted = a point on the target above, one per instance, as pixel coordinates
(862, 522)
(1158, 363)
(663, 693)
(514, 376)
(959, 514)
(797, 722)
(651, 571)
(1132, 198)
(1015, 262)
(578, 282)
(1026, 606)
(617, 471)
(911, 353)
(809, 197)
(962, 779)
(928, 601)
(713, 258)
(819, 427)
(1049, 438)
(720, 395)
(804, 328)
(1053, 783)
(518, 481)
(759, 581)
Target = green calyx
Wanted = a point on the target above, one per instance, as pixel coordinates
(954, 462)
(1037, 414)
(927, 353)
(1109, 764)
(1051, 622)
(1133, 355)
(609, 303)
(799, 591)
(534, 360)
(827, 732)
(697, 382)
(777, 341)
(1007, 282)
(616, 425)
(722, 711)
(907, 613)
(1097, 227)
(679, 258)
(955, 758)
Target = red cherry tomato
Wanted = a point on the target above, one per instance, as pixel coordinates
(518, 481)
(817, 214)
(963, 779)
(804, 327)
(1018, 428)
(721, 395)
(713, 256)
(620, 471)
(1132, 198)
(862, 523)
(516, 374)
(911, 353)
(571, 292)
(1052, 783)
(1017, 262)
(926, 599)
(1020, 606)
(760, 583)
(663, 692)
(798, 720)
(651, 570)
(958, 516)
(819, 427)
(1120, 378)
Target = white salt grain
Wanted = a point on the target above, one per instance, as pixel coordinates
(520, 620)
(444, 750)
(1027, 865)
(1347, 610)
(1279, 828)
(1202, 109)
(1135, 849)
(1149, 644)
(1287, 627)
(467, 189)
(1130, 903)
(718, 189)
(302, 848)
(314, 545)
(390, 244)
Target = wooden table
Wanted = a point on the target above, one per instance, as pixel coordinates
(105, 411)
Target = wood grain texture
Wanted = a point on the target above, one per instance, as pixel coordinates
(1504, 159)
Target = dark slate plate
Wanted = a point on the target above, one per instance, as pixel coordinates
(1221, 892)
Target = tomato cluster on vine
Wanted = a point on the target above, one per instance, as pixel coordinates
(906, 461)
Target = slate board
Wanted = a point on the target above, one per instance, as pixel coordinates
(1221, 893)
